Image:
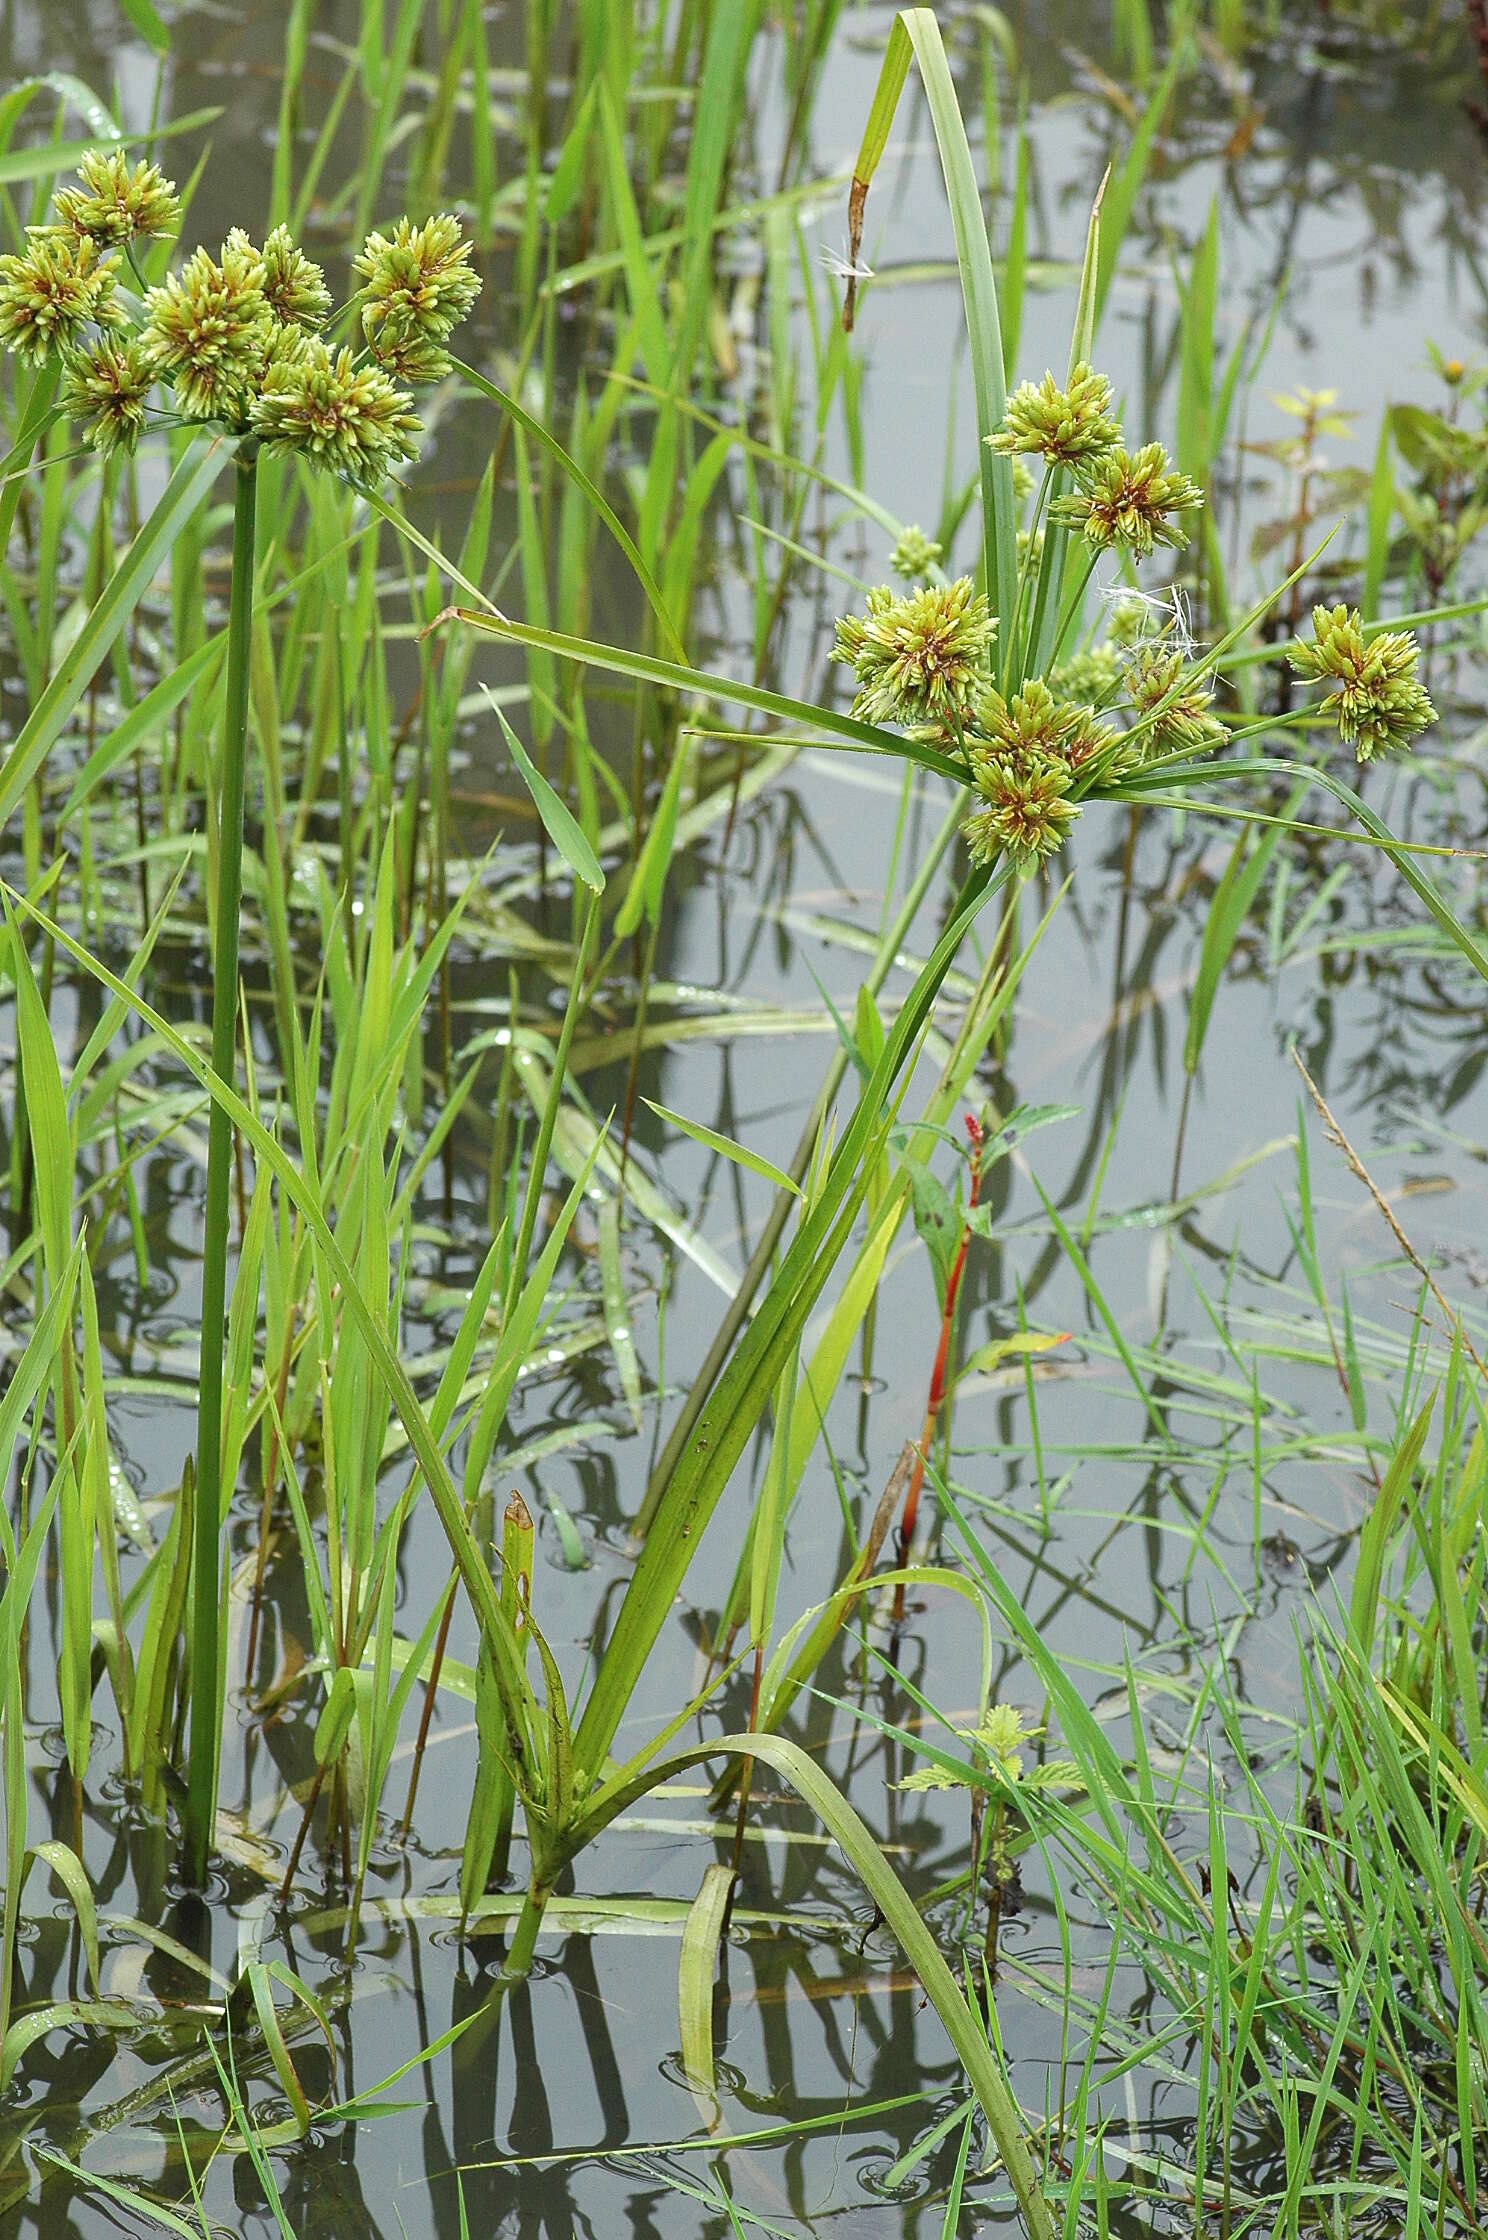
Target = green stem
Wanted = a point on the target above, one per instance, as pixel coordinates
(1015, 668)
(549, 1117)
(529, 1921)
(1072, 609)
(737, 1312)
(201, 1773)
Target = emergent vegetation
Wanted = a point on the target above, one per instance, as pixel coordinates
(427, 813)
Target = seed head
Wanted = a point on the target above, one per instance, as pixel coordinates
(282, 346)
(1087, 739)
(1089, 675)
(1063, 427)
(1130, 498)
(1026, 728)
(206, 331)
(1034, 728)
(1186, 722)
(1127, 618)
(417, 287)
(919, 656)
(294, 287)
(1025, 810)
(915, 555)
(115, 204)
(350, 418)
(106, 385)
(53, 291)
(1380, 704)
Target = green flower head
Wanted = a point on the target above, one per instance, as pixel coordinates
(1090, 674)
(206, 331)
(417, 287)
(1131, 499)
(350, 418)
(53, 291)
(106, 386)
(1380, 703)
(915, 555)
(1087, 739)
(1127, 618)
(1027, 727)
(1063, 427)
(1035, 728)
(920, 657)
(115, 204)
(1186, 723)
(294, 287)
(1025, 811)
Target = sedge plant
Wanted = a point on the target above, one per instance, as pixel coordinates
(993, 683)
(241, 345)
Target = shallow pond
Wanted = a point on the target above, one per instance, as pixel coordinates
(1349, 187)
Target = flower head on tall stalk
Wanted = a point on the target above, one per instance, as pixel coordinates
(106, 386)
(920, 657)
(349, 417)
(1023, 810)
(915, 556)
(233, 341)
(207, 329)
(1063, 427)
(1030, 726)
(53, 291)
(417, 286)
(1179, 715)
(114, 204)
(1130, 498)
(294, 287)
(1378, 701)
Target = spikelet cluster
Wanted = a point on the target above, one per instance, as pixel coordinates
(1023, 810)
(349, 417)
(1176, 713)
(106, 385)
(53, 292)
(1063, 427)
(1132, 499)
(1026, 754)
(417, 285)
(233, 339)
(113, 204)
(207, 331)
(1378, 701)
(915, 556)
(920, 657)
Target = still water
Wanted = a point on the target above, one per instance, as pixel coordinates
(1349, 187)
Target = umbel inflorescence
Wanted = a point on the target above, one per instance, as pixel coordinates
(238, 339)
(923, 658)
